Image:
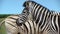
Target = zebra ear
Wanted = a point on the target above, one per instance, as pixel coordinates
(24, 4)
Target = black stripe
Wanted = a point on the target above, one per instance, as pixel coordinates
(12, 18)
(47, 16)
(48, 28)
(44, 20)
(12, 21)
(22, 17)
(33, 11)
(37, 20)
(43, 17)
(51, 23)
(37, 12)
(23, 20)
(30, 28)
(55, 22)
(26, 27)
(45, 26)
(34, 28)
(59, 21)
(11, 24)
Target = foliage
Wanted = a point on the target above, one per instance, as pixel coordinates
(4, 15)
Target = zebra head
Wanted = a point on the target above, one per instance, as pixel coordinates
(23, 17)
(34, 6)
(26, 3)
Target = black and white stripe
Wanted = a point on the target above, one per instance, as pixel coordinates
(25, 23)
(23, 17)
(43, 17)
(10, 22)
(12, 28)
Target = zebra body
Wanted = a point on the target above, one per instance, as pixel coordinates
(44, 18)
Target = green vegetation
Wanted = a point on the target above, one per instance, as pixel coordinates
(4, 15)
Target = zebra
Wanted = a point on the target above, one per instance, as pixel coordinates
(10, 22)
(11, 25)
(25, 21)
(44, 18)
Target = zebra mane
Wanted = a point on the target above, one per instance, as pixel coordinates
(26, 3)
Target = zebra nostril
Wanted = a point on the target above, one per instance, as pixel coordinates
(18, 33)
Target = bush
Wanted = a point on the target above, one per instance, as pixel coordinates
(4, 15)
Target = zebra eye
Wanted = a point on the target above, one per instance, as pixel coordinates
(24, 12)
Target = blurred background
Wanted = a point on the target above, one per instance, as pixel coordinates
(9, 7)
(15, 6)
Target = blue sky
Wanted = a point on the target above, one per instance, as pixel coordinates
(15, 6)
